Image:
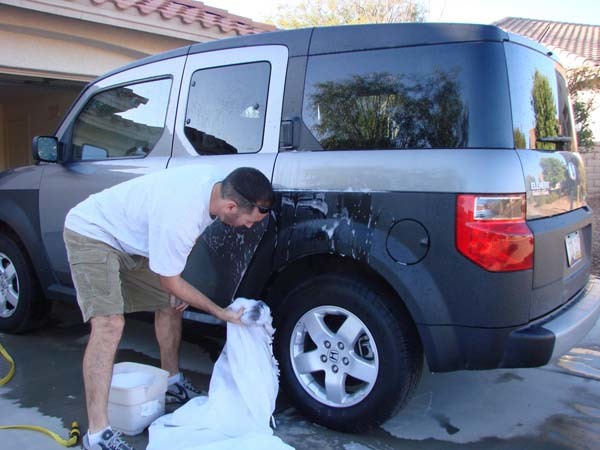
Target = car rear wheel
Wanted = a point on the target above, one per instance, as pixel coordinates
(21, 302)
(350, 357)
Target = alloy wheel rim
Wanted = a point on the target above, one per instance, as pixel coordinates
(9, 287)
(334, 356)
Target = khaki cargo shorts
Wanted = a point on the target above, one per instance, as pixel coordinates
(109, 281)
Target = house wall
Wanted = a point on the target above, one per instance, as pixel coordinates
(45, 45)
(595, 114)
(50, 49)
(592, 168)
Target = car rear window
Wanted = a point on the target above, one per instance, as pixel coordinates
(540, 100)
(439, 96)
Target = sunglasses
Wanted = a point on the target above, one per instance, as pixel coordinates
(261, 209)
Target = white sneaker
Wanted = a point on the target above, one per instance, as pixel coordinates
(111, 440)
(182, 391)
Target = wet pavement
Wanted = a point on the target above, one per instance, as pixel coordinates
(552, 407)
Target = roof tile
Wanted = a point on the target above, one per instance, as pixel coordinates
(579, 39)
(191, 13)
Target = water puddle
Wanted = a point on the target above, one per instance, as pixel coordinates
(582, 361)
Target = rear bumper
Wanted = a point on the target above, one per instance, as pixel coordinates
(451, 348)
(551, 337)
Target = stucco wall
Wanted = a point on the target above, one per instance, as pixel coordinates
(594, 121)
(49, 49)
(592, 168)
(45, 45)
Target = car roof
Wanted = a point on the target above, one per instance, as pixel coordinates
(320, 40)
(346, 38)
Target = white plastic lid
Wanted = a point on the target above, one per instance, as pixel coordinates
(130, 380)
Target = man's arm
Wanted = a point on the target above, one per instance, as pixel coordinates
(183, 290)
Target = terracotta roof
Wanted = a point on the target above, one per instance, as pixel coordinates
(192, 12)
(577, 39)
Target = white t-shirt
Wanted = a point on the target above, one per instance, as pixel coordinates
(159, 216)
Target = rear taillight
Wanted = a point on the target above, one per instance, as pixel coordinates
(491, 231)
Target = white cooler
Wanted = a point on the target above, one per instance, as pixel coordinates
(136, 397)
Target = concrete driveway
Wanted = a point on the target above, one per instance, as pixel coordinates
(552, 407)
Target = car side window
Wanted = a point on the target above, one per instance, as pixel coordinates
(226, 109)
(438, 96)
(122, 122)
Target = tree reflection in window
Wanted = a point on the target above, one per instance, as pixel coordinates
(390, 111)
(553, 171)
(519, 139)
(544, 108)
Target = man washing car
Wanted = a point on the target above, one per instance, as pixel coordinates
(127, 247)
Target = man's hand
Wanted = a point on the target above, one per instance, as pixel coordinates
(182, 307)
(174, 301)
(177, 303)
(183, 294)
(228, 315)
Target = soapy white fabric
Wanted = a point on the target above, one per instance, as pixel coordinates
(243, 388)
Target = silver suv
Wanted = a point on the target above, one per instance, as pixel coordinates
(431, 201)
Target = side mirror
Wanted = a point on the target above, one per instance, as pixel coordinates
(45, 148)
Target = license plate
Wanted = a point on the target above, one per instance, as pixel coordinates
(573, 244)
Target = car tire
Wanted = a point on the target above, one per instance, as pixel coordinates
(350, 355)
(22, 305)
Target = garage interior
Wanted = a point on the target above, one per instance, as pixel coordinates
(29, 107)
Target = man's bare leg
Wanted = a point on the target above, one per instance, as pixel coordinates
(167, 325)
(98, 362)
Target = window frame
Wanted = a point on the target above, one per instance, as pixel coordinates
(276, 55)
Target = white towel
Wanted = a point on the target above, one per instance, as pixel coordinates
(241, 398)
